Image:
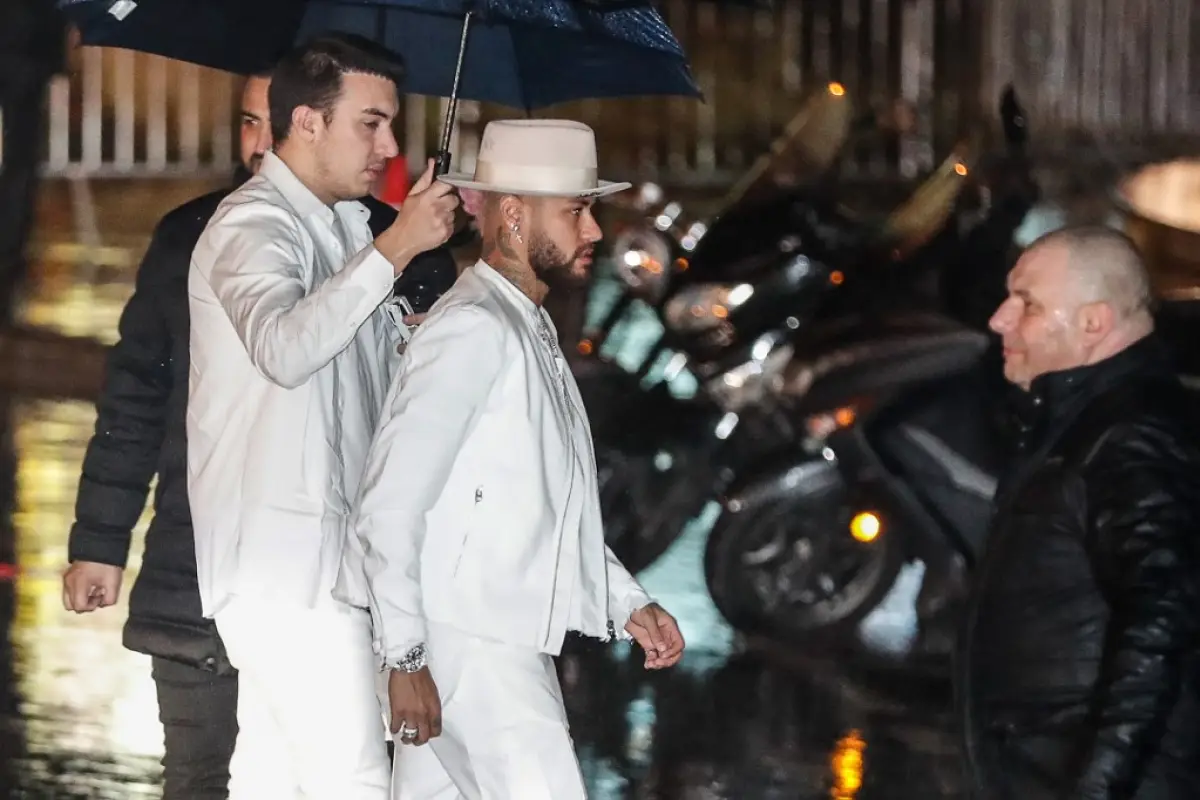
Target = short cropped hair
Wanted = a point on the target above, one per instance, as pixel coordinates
(311, 75)
(1109, 264)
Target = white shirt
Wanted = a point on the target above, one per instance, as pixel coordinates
(479, 506)
(291, 355)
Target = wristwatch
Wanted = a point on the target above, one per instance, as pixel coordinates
(410, 662)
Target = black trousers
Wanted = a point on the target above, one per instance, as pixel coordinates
(198, 711)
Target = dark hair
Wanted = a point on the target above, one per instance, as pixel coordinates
(311, 75)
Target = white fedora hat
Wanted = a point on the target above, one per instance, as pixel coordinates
(539, 157)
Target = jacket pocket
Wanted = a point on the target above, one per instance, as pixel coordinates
(471, 521)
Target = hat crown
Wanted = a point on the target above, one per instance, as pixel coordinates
(537, 157)
(539, 143)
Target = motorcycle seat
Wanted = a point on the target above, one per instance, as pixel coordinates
(878, 356)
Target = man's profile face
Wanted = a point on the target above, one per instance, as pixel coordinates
(353, 146)
(562, 237)
(255, 126)
(1039, 321)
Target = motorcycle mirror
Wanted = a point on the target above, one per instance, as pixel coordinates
(924, 213)
(815, 137)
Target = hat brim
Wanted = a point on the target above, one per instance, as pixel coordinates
(461, 180)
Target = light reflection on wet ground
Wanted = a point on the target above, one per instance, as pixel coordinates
(726, 726)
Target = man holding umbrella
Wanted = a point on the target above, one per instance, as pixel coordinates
(140, 433)
(291, 353)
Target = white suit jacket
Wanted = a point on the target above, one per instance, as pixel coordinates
(291, 357)
(477, 482)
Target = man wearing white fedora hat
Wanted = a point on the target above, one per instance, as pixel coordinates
(477, 561)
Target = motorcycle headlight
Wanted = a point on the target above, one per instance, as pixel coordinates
(751, 381)
(643, 260)
(705, 306)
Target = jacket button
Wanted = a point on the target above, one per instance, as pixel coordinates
(210, 662)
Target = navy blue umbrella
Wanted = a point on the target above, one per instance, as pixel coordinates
(246, 37)
(521, 61)
(520, 53)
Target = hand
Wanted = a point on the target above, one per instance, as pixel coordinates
(414, 699)
(425, 221)
(658, 634)
(413, 320)
(88, 585)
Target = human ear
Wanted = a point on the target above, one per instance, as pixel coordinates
(512, 211)
(1096, 320)
(307, 122)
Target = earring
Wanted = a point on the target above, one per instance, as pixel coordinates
(516, 232)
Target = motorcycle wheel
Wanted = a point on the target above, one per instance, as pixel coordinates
(636, 508)
(789, 569)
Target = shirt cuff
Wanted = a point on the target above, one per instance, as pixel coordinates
(372, 270)
(396, 634)
(624, 609)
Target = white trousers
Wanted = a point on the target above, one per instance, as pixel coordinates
(504, 728)
(310, 722)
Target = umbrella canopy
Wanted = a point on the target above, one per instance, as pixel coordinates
(528, 64)
(520, 53)
(242, 36)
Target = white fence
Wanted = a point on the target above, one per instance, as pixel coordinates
(125, 114)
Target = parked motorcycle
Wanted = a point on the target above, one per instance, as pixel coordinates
(809, 544)
(727, 319)
(898, 450)
(646, 489)
(663, 239)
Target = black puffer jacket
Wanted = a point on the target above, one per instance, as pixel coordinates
(141, 431)
(1079, 666)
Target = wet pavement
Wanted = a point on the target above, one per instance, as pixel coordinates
(78, 717)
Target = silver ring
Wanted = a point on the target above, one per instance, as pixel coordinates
(408, 733)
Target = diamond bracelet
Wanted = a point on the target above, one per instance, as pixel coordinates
(412, 661)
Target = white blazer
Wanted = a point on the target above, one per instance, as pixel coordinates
(478, 508)
(291, 357)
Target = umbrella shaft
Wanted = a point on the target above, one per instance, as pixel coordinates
(443, 161)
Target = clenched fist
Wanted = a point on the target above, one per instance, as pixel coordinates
(426, 221)
(88, 585)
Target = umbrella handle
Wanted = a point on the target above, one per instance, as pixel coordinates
(442, 165)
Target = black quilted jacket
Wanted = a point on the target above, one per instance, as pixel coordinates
(1079, 666)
